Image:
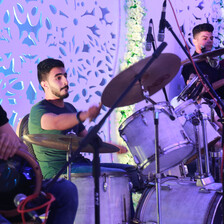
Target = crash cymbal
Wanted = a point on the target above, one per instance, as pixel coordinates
(203, 56)
(61, 142)
(157, 76)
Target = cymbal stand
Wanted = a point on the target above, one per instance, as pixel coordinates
(157, 164)
(92, 135)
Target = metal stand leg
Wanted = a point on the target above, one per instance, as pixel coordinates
(96, 142)
(206, 178)
(200, 172)
(205, 143)
(68, 156)
(158, 175)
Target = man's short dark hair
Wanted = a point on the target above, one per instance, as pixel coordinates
(202, 27)
(45, 66)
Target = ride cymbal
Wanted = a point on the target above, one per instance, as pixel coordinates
(62, 142)
(157, 76)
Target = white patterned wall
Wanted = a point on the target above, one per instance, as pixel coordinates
(84, 34)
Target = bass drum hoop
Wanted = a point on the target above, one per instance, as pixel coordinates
(148, 192)
(38, 179)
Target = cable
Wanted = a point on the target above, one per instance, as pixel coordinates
(21, 207)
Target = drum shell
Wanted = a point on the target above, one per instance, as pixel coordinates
(183, 203)
(138, 132)
(114, 197)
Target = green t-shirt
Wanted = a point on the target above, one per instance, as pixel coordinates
(50, 160)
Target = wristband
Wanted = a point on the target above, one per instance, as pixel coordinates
(78, 116)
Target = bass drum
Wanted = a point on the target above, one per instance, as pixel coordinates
(181, 202)
(20, 174)
(114, 197)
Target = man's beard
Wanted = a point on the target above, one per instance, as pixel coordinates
(57, 94)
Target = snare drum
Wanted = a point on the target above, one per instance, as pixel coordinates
(138, 131)
(181, 202)
(114, 197)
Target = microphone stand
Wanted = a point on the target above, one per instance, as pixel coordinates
(93, 139)
(154, 48)
(211, 89)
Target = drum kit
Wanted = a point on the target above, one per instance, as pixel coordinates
(160, 136)
(185, 132)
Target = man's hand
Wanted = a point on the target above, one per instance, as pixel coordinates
(93, 112)
(122, 148)
(8, 145)
(9, 142)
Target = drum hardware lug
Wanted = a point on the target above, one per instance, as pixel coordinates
(182, 132)
(193, 119)
(144, 120)
(124, 137)
(204, 190)
(105, 185)
(166, 187)
(136, 221)
(183, 169)
(136, 159)
(130, 185)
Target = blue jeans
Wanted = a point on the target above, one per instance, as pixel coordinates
(64, 208)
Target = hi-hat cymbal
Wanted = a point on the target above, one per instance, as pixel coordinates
(157, 76)
(203, 56)
(61, 142)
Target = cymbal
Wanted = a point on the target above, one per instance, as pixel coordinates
(159, 73)
(61, 142)
(203, 56)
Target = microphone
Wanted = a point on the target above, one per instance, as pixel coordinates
(161, 33)
(18, 199)
(149, 38)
